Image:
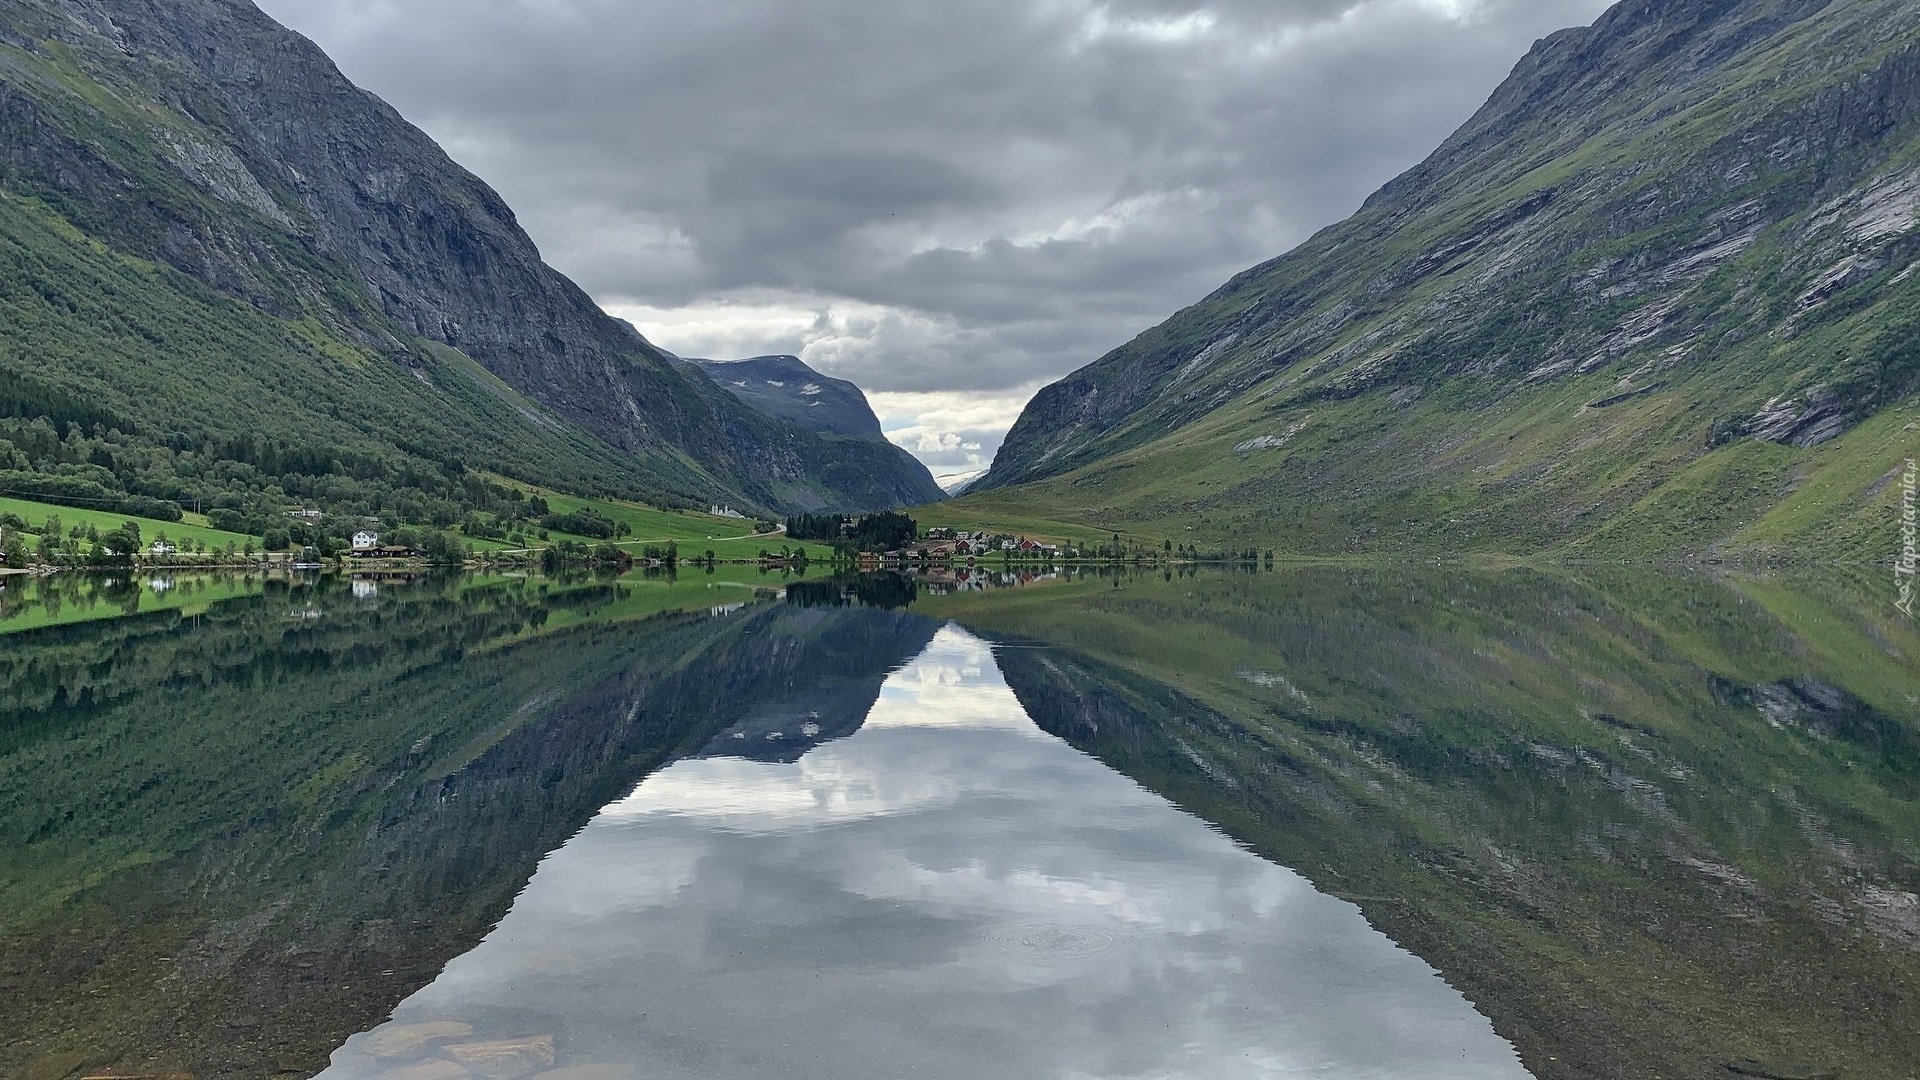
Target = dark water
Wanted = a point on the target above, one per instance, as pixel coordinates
(1330, 823)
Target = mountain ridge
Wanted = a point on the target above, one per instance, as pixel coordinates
(203, 137)
(1672, 253)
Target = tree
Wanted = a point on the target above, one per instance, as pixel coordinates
(13, 552)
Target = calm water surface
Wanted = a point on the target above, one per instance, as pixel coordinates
(946, 892)
(1335, 823)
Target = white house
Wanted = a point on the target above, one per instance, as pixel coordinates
(162, 547)
(365, 541)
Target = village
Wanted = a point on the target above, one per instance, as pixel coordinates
(950, 547)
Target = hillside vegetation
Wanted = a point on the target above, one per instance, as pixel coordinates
(230, 278)
(1658, 297)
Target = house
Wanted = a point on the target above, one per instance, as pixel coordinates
(162, 547)
(306, 513)
(365, 541)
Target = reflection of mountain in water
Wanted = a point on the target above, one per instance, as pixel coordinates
(837, 696)
(948, 894)
(1650, 826)
(785, 730)
(267, 830)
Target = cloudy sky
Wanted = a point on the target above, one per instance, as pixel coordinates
(949, 202)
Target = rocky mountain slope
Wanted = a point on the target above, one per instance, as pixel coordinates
(205, 219)
(1659, 295)
(786, 389)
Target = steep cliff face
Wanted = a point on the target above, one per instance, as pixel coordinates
(205, 137)
(1673, 253)
(786, 389)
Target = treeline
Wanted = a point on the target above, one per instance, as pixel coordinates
(886, 531)
(822, 527)
(81, 487)
(247, 485)
(254, 478)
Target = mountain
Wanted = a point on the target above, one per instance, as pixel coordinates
(1657, 296)
(786, 389)
(245, 279)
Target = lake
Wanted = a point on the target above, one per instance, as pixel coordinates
(1362, 822)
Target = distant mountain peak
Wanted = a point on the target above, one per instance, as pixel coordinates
(782, 386)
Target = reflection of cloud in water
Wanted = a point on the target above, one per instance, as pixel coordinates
(949, 892)
(943, 688)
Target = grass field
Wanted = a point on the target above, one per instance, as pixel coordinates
(729, 538)
(193, 527)
(1010, 515)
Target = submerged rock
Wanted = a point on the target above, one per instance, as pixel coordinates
(408, 1041)
(505, 1059)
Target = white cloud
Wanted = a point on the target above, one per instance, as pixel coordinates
(968, 197)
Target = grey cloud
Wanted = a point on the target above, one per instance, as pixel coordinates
(994, 191)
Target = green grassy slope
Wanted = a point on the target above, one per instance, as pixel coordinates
(191, 527)
(694, 533)
(208, 397)
(1626, 310)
